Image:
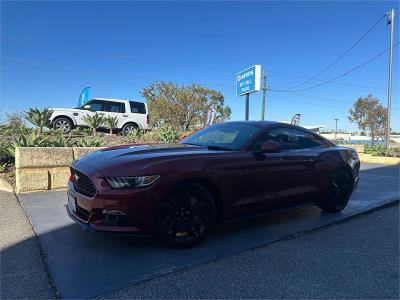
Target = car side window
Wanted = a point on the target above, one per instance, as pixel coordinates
(289, 139)
(137, 107)
(116, 107)
(97, 106)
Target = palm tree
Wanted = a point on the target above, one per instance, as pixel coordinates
(111, 123)
(95, 121)
(38, 117)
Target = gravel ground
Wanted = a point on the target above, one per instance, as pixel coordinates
(23, 273)
(355, 259)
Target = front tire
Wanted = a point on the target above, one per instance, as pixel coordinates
(337, 193)
(63, 124)
(185, 216)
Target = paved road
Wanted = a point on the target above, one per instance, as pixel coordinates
(87, 265)
(355, 259)
(23, 272)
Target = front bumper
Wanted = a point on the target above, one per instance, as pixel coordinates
(95, 213)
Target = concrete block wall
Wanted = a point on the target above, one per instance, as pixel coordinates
(45, 168)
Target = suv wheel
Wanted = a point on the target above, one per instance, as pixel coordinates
(185, 216)
(337, 193)
(129, 128)
(63, 124)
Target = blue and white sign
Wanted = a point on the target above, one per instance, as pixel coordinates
(248, 80)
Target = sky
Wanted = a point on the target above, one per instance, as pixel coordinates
(50, 51)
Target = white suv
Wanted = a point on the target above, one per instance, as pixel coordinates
(130, 114)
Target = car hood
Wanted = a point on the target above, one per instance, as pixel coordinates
(139, 156)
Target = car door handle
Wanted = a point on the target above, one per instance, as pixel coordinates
(101, 114)
(125, 116)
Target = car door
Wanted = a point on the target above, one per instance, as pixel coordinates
(298, 169)
(92, 107)
(254, 180)
(285, 178)
(115, 109)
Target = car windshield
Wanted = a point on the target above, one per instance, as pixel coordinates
(227, 136)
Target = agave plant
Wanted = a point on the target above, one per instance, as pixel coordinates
(32, 140)
(61, 141)
(111, 123)
(90, 142)
(95, 121)
(135, 135)
(167, 134)
(39, 117)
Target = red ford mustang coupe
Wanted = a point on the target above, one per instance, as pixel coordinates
(225, 171)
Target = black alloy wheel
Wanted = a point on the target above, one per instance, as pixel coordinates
(185, 216)
(338, 193)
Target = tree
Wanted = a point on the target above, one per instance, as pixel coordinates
(184, 106)
(369, 115)
(95, 121)
(39, 117)
(111, 123)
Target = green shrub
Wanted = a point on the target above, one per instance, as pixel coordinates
(380, 150)
(167, 134)
(89, 142)
(111, 123)
(10, 130)
(31, 140)
(39, 117)
(61, 141)
(55, 132)
(136, 135)
(94, 121)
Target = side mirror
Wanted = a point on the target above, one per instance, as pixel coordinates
(271, 147)
(87, 106)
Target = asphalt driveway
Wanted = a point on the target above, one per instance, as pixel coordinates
(85, 265)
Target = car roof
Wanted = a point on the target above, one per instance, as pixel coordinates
(256, 123)
(115, 100)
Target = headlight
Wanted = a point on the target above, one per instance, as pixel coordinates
(131, 182)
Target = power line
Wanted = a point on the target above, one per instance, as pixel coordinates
(358, 86)
(341, 56)
(337, 77)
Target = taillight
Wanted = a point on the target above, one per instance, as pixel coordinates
(72, 177)
(148, 119)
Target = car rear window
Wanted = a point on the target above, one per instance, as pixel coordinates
(137, 107)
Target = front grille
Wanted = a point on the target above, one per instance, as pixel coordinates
(83, 185)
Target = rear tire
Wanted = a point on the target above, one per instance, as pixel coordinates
(185, 216)
(337, 193)
(127, 128)
(63, 123)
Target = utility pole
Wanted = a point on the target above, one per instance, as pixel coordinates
(390, 16)
(264, 88)
(336, 128)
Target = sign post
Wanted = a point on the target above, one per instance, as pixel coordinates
(248, 81)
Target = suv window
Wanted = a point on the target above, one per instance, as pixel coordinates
(290, 139)
(96, 105)
(116, 107)
(137, 107)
